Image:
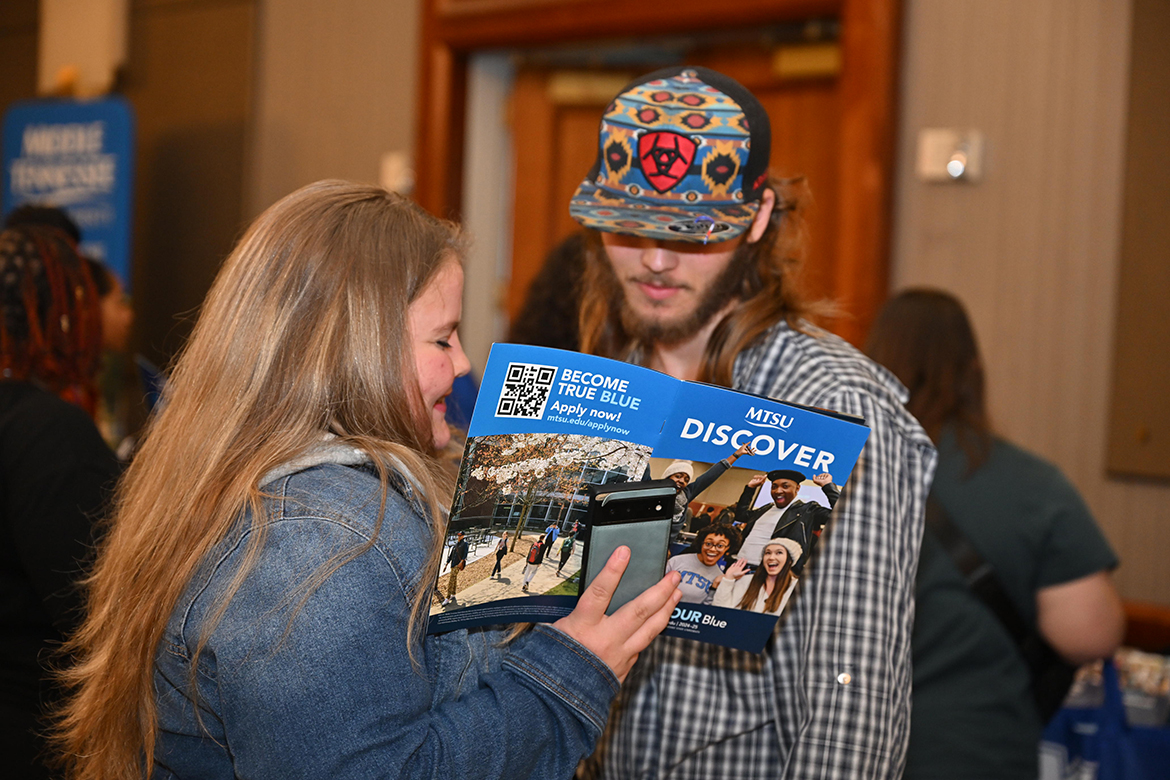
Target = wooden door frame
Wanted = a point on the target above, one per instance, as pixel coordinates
(453, 29)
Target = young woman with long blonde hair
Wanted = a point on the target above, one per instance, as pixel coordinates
(258, 608)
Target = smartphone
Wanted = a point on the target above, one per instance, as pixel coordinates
(638, 515)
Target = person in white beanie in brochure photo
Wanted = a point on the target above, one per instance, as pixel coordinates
(682, 473)
(766, 590)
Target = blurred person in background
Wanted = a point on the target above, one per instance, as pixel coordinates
(120, 395)
(118, 408)
(117, 314)
(973, 713)
(55, 471)
(548, 317)
(46, 215)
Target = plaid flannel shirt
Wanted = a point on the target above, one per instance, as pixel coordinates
(830, 697)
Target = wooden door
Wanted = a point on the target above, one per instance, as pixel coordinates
(556, 131)
(804, 106)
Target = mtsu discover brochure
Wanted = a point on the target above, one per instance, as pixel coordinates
(756, 480)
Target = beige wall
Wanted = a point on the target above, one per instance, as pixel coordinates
(1033, 249)
(187, 77)
(335, 86)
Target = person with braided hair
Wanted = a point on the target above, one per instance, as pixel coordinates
(50, 332)
(54, 471)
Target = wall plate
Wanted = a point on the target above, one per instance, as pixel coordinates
(948, 154)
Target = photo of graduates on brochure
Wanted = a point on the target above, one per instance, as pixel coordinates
(743, 536)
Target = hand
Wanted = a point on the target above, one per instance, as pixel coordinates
(744, 449)
(737, 569)
(820, 480)
(618, 638)
(756, 481)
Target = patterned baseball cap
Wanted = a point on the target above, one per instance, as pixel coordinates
(682, 155)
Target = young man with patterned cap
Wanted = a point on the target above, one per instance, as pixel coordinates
(690, 269)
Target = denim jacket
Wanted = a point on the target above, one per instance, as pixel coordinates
(323, 686)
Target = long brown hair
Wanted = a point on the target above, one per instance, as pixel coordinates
(50, 314)
(769, 291)
(925, 339)
(759, 577)
(303, 333)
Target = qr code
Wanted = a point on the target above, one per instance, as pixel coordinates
(526, 390)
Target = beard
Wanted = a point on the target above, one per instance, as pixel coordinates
(648, 330)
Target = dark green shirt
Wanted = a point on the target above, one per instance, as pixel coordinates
(973, 715)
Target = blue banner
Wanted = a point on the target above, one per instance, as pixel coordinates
(77, 156)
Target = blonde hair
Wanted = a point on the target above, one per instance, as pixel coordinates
(769, 290)
(303, 332)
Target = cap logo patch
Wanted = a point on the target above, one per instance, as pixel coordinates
(665, 158)
(672, 161)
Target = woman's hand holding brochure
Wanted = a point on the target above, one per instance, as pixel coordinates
(618, 638)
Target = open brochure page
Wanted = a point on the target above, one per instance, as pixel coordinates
(756, 481)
